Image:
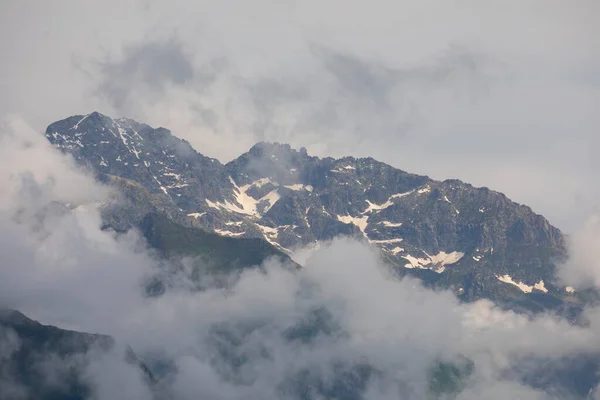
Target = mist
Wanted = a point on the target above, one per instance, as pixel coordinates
(345, 323)
(494, 94)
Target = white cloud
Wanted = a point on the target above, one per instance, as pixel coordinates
(538, 118)
(485, 92)
(582, 269)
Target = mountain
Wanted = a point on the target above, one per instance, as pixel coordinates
(47, 363)
(44, 362)
(475, 241)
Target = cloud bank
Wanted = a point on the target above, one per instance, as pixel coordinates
(343, 326)
(496, 94)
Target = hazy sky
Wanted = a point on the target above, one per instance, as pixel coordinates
(501, 94)
(62, 269)
(498, 93)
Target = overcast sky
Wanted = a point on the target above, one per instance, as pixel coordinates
(498, 93)
(501, 94)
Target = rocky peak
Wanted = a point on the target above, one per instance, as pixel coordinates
(275, 161)
(450, 231)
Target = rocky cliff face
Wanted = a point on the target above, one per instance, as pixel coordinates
(449, 233)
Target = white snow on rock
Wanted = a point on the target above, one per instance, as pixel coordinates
(396, 250)
(237, 223)
(80, 121)
(361, 222)
(228, 233)
(396, 240)
(272, 197)
(267, 230)
(299, 186)
(248, 203)
(524, 287)
(196, 215)
(343, 169)
(261, 182)
(426, 189)
(391, 224)
(122, 133)
(389, 202)
(174, 175)
(436, 263)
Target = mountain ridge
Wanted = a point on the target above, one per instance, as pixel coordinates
(470, 238)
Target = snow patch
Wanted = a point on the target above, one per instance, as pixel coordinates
(436, 263)
(396, 250)
(122, 133)
(247, 202)
(299, 186)
(228, 233)
(135, 151)
(80, 121)
(377, 207)
(196, 215)
(396, 240)
(524, 287)
(391, 224)
(213, 205)
(237, 223)
(174, 175)
(272, 197)
(261, 182)
(360, 222)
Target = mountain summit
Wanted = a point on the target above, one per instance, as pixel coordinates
(451, 234)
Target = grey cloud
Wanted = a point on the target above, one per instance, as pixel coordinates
(540, 123)
(415, 117)
(257, 338)
(151, 66)
(582, 269)
(352, 101)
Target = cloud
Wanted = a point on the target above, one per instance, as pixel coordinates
(405, 82)
(431, 88)
(344, 324)
(582, 269)
(145, 71)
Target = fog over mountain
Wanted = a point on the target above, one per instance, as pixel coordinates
(376, 336)
(204, 274)
(496, 94)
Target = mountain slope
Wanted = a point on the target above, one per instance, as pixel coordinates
(222, 253)
(47, 363)
(449, 233)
